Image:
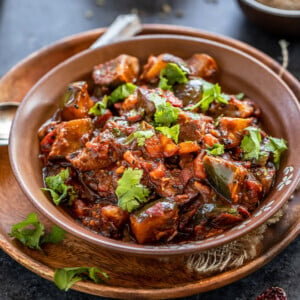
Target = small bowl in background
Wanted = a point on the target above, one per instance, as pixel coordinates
(275, 20)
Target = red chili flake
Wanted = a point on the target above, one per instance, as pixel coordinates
(273, 293)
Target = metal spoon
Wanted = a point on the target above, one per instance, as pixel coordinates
(7, 113)
(123, 27)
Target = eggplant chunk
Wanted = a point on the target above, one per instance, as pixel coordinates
(204, 66)
(224, 176)
(144, 101)
(189, 92)
(235, 108)
(156, 221)
(112, 218)
(122, 69)
(266, 176)
(252, 192)
(232, 130)
(70, 137)
(77, 102)
(224, 220)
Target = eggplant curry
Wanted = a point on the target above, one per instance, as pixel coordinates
(157, 153)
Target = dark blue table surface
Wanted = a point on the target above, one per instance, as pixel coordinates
(26, 26)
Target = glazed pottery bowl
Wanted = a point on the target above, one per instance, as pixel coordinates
(238, 72)
(276, 20)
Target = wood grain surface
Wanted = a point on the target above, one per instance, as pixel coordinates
(159, 278)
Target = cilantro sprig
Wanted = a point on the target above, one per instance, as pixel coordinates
(253, 149)
(165, 113)
(170, 132)
(99, 107)
(276, 146)
(31, 232)
(58, 189)
(130, 192)
(216, 149)
(240, 96)
(64, 278)
(251, 143)
(121, 92)
(140, 136)
(210, 93)
(170, 75)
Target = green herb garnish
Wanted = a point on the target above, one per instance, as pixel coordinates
(55, 236)
(276, 146)
(165, 113)
(58, 189)
(216, 149)
(210, 93)
(251, 143)
(66, 277)
(141, 136)
(170, 132)
(130, 192)
(170, 75)
(122, 92)
(31, 232)
(99, 108)
(240, 96)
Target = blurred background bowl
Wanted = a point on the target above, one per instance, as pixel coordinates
(279, 21)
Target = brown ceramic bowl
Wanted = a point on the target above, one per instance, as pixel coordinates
(279, 21)
(238, 72)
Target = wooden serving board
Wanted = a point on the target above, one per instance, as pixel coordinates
(131, 277)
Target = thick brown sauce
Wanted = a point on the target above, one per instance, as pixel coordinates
(189, 197)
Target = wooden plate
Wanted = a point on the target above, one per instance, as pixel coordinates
(125, 282)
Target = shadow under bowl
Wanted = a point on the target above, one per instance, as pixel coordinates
(239, 72)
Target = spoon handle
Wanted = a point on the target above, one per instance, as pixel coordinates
(124, 26)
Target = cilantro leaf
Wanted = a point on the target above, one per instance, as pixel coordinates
(141, 136)
(55, 236)
(240, 96)
(163, 84)
(30, 237)
(93, 274)
(170, 75)
(276, 146)
(216, 149)
(165, 113)
(170, 132)
(31, 232)
(210, 93)
(99, 108)
(122, 92)
(57, 187)
(251, 143)
(64, 278)
(130, 192)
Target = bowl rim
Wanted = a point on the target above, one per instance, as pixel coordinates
(133, 248)
(287, 13)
